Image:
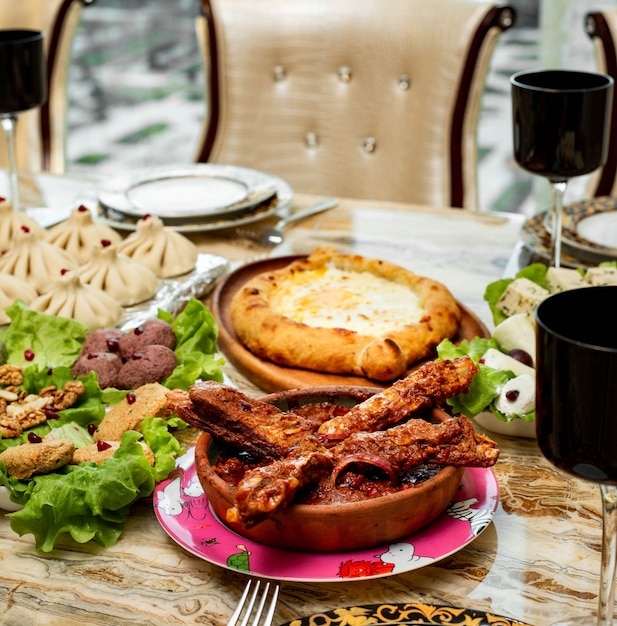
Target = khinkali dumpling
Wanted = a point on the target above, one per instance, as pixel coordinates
(69, 297)
(11, 223)
(11, 289)
(124, 279)
(79, 234)
(35, 261)
(166, 252)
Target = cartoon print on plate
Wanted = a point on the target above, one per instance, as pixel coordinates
(184, 512)
(183, 498)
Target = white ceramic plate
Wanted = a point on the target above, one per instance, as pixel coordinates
(191, 193)
(590, 229)
(515, 428)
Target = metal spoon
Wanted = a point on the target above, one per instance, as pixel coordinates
(274, 236)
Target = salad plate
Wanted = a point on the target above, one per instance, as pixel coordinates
(403, 614)
(184, 512)
(192, 195)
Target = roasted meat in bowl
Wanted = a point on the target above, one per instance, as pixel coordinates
(334, 468)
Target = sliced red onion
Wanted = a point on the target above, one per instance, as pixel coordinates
(368, 459)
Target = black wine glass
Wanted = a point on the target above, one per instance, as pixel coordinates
(560, 129)
(23, 86)
(576, 400)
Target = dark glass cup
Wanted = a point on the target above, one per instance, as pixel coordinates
(560, 123)
(576, 405)
(22, 68)
(23, 86)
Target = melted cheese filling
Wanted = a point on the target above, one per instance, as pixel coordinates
(358, 301)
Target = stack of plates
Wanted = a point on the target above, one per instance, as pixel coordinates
(195, 197)
(589, 233)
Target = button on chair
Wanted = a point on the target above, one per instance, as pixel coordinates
(376, 99)
(41, 133)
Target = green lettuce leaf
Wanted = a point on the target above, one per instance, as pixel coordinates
(164, 445)
(196, 332)
(86, 501)
(50, 341)
(486, 383)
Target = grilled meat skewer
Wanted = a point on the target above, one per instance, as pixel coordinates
(429, 385)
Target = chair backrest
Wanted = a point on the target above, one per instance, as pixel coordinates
(601, 26)
(41, 133)
(360, 98)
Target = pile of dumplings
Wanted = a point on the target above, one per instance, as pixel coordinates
(83, 269)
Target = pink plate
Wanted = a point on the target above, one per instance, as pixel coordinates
(184, 512)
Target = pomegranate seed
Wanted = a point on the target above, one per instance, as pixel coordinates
(105, 243)
(29, 355)
(91, 356)
(512, 395)
(137, 355)
(64, 271)
(50, 371)
(147, 216)
(82, 208)
(50, 413)
(139, 330)
(25, 229)
(130, 397)
(91, 429)
(481, 361)
(34, 438)
(102, 445)
(113, 345)
(2, 199)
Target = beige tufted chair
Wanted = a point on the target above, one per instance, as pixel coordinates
(601, 26)
(41, 133)
(376, 99)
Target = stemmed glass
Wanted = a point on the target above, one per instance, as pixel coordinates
(23, 86)
(560, 124)
(576, 401)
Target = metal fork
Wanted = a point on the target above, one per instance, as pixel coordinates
(245, 609)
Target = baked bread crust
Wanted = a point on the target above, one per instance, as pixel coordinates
(271, 335)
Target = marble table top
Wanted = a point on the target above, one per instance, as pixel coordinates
(537, 562)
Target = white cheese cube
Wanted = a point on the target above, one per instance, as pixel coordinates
(521, 296)
(601, 276)
(517, 396)
(561, 279)
(500, 361)
(517, 332)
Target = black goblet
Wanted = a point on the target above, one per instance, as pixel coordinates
(576, 400)
(560, 129)
(23, 86)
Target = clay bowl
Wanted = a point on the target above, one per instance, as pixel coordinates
(333, 527)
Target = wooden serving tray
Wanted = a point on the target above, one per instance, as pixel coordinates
(273, 377)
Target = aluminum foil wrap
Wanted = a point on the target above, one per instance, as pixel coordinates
(174, 293)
